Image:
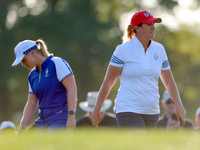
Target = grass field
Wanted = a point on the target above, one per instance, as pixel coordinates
(101, 139)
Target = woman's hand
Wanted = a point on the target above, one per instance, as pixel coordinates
(71, 122)
(180, 110)
(95, 118)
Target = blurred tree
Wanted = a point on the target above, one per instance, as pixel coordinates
(6, 105)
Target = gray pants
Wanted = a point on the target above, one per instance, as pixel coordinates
(134, 120)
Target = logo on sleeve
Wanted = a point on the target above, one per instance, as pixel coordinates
(155, 57)
(46, 73)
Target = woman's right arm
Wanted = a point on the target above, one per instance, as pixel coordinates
(29, 110)
(110, 79)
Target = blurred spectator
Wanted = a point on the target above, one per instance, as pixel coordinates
(197, 119)
(7, 125)
(107, 119)
(169, 119)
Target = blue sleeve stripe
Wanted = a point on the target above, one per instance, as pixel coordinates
(116, 60)
(68, 66)
(165, 64)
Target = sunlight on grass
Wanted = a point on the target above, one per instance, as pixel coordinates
(101, 139)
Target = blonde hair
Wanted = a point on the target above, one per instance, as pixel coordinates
(42, 47)
(128, 34)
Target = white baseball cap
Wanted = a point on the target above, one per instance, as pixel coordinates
(22, 49)
(89, 104)
(7, 124)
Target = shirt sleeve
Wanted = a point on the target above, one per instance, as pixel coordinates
(63, 70)
(165, 62)
(30, 89)
(117, 58)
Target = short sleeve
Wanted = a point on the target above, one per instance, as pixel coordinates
(165, 62)
(63, 70)
(117, 57)
(30, 89)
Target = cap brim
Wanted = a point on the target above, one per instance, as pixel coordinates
(106, 105)
(151, 20)
(17, 61)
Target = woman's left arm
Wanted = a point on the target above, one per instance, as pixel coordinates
(70, 84)
(170, 85)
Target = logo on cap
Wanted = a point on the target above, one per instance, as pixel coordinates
(147, 14)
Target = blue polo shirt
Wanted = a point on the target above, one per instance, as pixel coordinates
(46, 85)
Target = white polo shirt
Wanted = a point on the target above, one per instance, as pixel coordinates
(139, 92)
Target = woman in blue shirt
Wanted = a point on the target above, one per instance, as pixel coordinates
(52, 87)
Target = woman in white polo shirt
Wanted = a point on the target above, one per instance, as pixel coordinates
(138, 62)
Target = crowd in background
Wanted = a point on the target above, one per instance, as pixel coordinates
(168, 120)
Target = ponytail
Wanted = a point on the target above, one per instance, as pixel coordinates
(42, 47)
(128, 34)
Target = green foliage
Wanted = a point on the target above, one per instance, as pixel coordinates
(169, 4)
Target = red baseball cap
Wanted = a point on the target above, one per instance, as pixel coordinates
(143, 16)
